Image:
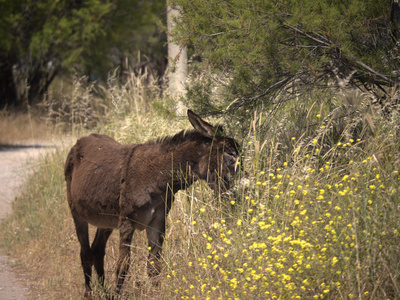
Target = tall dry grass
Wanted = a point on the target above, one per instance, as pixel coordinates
(23, 128)
(318, 217)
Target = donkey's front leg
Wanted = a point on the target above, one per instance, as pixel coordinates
(126, 230)
(155, 236)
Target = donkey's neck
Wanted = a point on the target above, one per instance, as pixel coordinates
(185, 160)
(177, 157)
(181, 162)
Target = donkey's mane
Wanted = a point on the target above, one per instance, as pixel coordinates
(180, 137)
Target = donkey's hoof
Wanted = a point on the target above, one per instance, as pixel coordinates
(88, 295)
(115, 295)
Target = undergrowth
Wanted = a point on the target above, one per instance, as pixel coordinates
(316, 218)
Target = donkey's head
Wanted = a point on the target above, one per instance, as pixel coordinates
(218, 164)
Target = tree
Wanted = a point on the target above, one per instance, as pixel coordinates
(40, 39)
(131, 32)
(178, 68)
(266, 48)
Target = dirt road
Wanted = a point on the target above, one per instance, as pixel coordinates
(12, 170)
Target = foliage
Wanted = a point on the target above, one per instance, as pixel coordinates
(41, 39)
(262, 52)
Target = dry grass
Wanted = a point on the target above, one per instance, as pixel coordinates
(23, 128)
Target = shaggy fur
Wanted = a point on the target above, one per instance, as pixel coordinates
(129, 187)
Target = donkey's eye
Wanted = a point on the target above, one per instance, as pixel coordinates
(230, 159)
(231, 153)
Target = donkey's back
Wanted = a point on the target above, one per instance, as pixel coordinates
(92, 174)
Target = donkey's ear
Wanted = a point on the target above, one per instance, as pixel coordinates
(200, 125)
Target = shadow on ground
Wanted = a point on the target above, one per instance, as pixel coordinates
(16, 147)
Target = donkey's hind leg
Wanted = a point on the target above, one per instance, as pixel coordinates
(155, 236)
(126, 230)
(99, 250)
(86, 252)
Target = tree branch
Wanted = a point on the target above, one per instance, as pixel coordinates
(315, 39)
(376, 73)
(325, 42)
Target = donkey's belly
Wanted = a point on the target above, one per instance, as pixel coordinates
(97, 213)
(97, 204)
(103, 221)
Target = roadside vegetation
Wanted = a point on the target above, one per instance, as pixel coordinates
(317, 217)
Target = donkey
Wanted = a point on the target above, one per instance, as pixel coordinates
(129, 187)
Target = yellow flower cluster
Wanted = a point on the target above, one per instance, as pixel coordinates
(310, 235)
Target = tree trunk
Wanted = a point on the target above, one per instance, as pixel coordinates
(177, 63)
(8, 89)
(395, 18)
(40, 76)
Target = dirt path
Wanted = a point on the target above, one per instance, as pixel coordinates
(13, 286)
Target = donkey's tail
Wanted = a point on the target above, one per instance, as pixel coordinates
(69, 165)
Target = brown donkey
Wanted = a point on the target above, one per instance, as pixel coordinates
(130, 187)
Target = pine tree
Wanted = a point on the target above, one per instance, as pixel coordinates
(265, 48)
